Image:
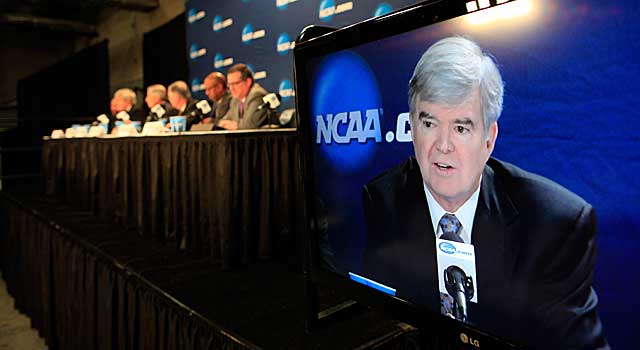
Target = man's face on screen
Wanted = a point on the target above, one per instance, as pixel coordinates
(452, 148)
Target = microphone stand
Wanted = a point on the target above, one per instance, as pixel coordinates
(272, 119)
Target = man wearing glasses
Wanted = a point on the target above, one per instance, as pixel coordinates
(247, 97)
(216, 89)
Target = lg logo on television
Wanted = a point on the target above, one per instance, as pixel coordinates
(219, 23)
(468, 340)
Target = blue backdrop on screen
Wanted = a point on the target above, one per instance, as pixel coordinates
(572, 77)
(261, 33)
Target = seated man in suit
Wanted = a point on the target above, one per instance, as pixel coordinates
(247, 97)
(534, 241)
(157, 95)
(125, 100)
(180, 99)
(215, 85)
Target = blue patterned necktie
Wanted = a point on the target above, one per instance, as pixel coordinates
(450, 226)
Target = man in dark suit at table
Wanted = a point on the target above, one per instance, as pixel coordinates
(534, 241)
(215, 85)
(247, 97)
(157, 95)
(180, 99)
(124, 100)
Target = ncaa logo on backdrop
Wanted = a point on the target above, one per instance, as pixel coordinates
(195, 52)
(345, 103)
(328, 8)
(219, 23)
(194, 15)
(220, 61)
(382, 9)
(248, 34)
(284, 44)
(257, 75)
(286, 90)
(196, 85)
(282, 4)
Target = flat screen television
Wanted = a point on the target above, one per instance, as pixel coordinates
(570, 79)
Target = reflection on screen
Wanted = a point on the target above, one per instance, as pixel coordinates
(564, 135)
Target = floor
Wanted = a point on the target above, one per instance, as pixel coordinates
(263, 302)
(15, 328)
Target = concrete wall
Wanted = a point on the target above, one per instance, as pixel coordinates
(23, 53)
(125, 30)
(26, 51)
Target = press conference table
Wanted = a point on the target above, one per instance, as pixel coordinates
(230, 195)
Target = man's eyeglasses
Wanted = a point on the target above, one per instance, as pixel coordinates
(235, 83)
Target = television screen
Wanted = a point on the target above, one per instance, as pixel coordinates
(519, 226)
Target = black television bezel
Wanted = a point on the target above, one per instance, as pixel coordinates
(317, 41)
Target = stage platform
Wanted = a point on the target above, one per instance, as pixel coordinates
(89, 284)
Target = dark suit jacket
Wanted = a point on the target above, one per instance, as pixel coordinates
(252, 117)
(221, 107)
(535, 251)
(191, 112)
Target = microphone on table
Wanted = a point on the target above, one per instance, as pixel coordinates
(124, 116)
(157, 112)
(202, 109)
(103, 119)
(270, 101)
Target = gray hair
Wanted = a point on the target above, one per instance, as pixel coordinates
(126, 94)
(181, 88)
(157, 90)
(450, 71)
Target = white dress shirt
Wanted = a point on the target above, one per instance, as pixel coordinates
(465, 213)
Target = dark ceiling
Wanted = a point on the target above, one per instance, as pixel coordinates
(75, 16)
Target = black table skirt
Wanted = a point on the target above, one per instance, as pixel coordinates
(80, 297)
(231, 196)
